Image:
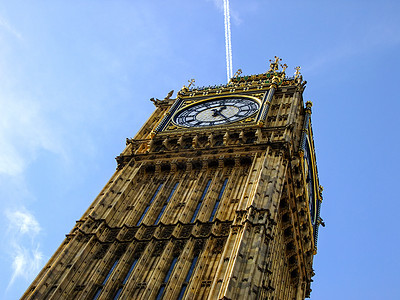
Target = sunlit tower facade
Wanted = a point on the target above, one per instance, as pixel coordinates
(216, 197)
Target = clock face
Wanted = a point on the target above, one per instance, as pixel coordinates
(310, 182)
(217, 111)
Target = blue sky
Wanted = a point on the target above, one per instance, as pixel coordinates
(76, 79)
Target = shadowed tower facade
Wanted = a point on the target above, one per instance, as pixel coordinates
(216, 197)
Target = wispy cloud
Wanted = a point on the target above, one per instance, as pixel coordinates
(23, 132)
(29, 132)
(22, 233)
(234, 14)
(9, 28)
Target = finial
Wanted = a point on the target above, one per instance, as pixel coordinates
(284, 67)
(308, 107)
(277, 59)
(297, 73)
(169, 95)
(238, 72)
(274, 65)
(191, 82)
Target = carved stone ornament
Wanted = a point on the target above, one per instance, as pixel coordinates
(102, 251)
(218, 245)
(236, 149)
(158, 248)
(198, 246)
(166, 232)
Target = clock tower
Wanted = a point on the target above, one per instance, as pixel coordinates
(216, 197)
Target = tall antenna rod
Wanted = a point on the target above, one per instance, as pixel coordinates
(228, 45)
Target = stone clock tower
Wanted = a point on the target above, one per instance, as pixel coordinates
(216, 197)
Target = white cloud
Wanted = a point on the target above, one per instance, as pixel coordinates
(6, 25)
(219, 4)
(25, 252)
(233, 13)
(23, 132)
(25, 263)
(23, 223)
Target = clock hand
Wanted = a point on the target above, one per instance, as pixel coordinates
(221, 114)
(218, 113)
(215, 112)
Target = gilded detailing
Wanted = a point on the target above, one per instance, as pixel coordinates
(216, 111)
(312, 191)
(212, 212)
(160, 126)
(191, 102)
(265, 105)
(261, 86)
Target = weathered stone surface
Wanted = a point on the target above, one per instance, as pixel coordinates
(231, 198)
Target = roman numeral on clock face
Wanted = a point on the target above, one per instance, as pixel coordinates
(218, 111)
